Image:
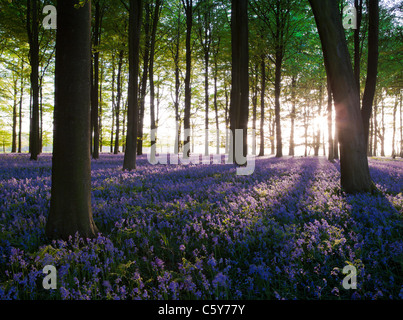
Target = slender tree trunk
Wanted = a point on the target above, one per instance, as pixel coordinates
(262, 97)
(318, 131)
(217, 125)
(357, 53)
(330, 121)
(124, 126)
(383, 129)
(306, 126)
(40, 115)
(372, 69)
(20, 108)
(101, 76)
(371, 136)
(146, 59)
(113, 101)
(355, 176)
(118, 101)
(375, 127)
(177, 86)
(95, 85)
(239, 107)
(32, 26)
(188, 6)
(292, 116)
(14, 128)
(254, 109)
(394, 129)
(70, 204)
(277, 92)
(136, 7)
(153, 123)
(227, 120)
(401, 125)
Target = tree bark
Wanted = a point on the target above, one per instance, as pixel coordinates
(355, 176)
(143, 90)
(375, 128)
(118, 101)
(20, 108)
(239, 106)
(188, 6)
(394, 129)
(292, 116)
(136, 7)
(70, 204)
(153, 124)
(277, 92)
(95, 85)
(330, 122)
(372, 69)
(357, 52)
(14, 127)
(262, 105)
(32, 26)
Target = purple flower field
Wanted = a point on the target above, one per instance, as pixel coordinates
(202, 232)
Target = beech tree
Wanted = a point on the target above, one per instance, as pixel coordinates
(239, 107)
(135, 15)
(33, 39)
(188, 6)
(70, 204)
(355, 176)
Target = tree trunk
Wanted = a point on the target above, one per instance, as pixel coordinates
(330, 122)
(355, 176)
(146, 59)
(32, 26)
(262, 97)
(95, 85)
(14, 128)
(401, 125)
(292, 116)
(357, 53)
(153, 125)
(188, 6)
(217, 125)
(254, 109)
(394, 129)
(375, 127)
(177, 86)
(383, 129)
(70, 204)
(277, 92)
(136, 7)
(118, 101)
(372, 69)
(239, 107)
(317, 134)
(20, 108)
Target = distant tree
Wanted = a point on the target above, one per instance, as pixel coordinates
(153, 121)
(70, 204)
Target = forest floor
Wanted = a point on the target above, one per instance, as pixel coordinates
(203, 232)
